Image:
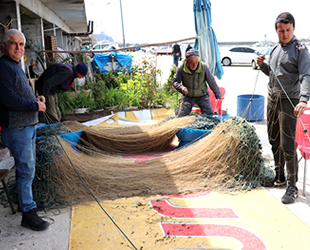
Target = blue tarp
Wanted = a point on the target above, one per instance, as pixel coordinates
(100, 62)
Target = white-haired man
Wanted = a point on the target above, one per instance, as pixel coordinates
(191, 80)
(18, 116)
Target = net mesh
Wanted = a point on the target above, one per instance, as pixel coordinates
(227, 160)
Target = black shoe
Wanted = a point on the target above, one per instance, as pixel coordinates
(31, 220)
(290, 195)
(41, 205)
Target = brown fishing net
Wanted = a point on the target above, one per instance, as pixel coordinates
(227, 160)
(133, 139)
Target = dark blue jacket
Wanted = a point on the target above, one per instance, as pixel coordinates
(18, 104)
(58, 76)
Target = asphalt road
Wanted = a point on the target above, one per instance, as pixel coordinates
(241, 80)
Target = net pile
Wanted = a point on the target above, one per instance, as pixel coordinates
(227, 160)
(134, 139)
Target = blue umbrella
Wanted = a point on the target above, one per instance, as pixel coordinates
(207, 42)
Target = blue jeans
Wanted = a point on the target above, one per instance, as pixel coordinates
(176, 59)
(21, 142)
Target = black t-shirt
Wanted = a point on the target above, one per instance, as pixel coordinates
(176, 48)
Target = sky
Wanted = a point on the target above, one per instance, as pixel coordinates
(160, 21)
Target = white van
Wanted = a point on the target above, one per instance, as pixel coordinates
(105, 46)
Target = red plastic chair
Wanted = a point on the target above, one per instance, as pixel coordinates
(216, 103)
(302, 140)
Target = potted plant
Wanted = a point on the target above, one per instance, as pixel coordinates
(82, 103)
(65, 103)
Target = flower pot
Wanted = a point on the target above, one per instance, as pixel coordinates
(159, 106)
(80, 110)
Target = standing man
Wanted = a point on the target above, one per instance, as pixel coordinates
(18, 116)
(57, 77)
(176, 52)
(288, 93)
(191, 80)
(189, 46)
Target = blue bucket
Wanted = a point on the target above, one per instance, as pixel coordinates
(251, 107)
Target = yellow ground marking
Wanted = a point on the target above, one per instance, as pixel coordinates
(137, 117)
(258, 212)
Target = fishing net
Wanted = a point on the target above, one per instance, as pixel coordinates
(135, 139)
(139, 139)
(227, 160)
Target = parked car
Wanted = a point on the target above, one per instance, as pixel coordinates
(105, 46)
(163, 50)
(265, 52)
(237, 55)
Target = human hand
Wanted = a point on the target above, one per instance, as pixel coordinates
(260, 59)
(184, 90)
(300, 108)
(42, 106)
(41, 98)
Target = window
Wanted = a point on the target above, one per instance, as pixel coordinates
(249, 50)
(265, 52)
(236, 50)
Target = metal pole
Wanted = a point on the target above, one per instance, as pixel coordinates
(305, 178)
(120, 1)
(43, 42)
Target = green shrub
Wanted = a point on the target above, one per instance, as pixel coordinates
(110, 80)
(65, 102)
(83, 100)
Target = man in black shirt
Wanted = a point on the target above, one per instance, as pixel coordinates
(176, 52)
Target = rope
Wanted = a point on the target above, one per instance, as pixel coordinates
(305, 130)
(121, 49)
(251, 100)
(95, 198)
(281, 85)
